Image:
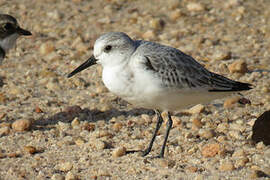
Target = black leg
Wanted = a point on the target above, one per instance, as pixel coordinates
(169, 126)
(159, 122)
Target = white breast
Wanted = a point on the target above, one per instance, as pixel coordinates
(9, 42)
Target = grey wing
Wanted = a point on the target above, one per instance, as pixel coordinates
(179, 70)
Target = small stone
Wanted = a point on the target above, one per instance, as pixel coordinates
(57, 177)
(146, 118)
(196, 123)
(46, 48)
(89, 126)
(4, 131)
(54, 14)
(241, 162)
(206, 133)
(21, 125)
(38, 110)
(117, 126)
(211, 150)
(2, 115)
(235, 134)
(3, 98)
(13, 155)
(239, 66)
(156, 23)
(199, 108)
(118, 152)
(226, 166)
(70, 176)
(79, 141)
(63, 126)
(192, 6)
(174, 4)
(222, 55)
(239, 153)
(192, 169)
(66, 166)
(30, 149)
(149, 35)
(79, 45)
(223, 127)
(231, 101)
(75, 122)
(260, 145)
(261, 129)
(99, 145)
(244, 101)
(175, 15)
(176, 121)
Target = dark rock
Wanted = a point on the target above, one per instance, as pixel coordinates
(261, 129)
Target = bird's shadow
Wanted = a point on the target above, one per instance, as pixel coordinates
(90, 115)
(1, 81)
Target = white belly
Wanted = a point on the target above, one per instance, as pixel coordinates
(9, 42)
(142, 89)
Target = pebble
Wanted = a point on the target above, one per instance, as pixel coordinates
(89, 126)
(79, 141)
(70, 176)
(241, 162)
(223, 127)
(239, 66)
(230, 102)
(226, 165)
(199, 108)
(261, 129)
(156, 24)
(149, 35)
(146, 118)
(117, 126)
(46, 48)
(99, 145)
(4, 131)
(66, 166)
(175, 15)
(63, 126)
(30, 149)
(21, 125)
(239, 153)
(206, 133)
(75, 123)
(211, 150)
(176, 121)
(57, 177)
(196, 123)
(118, 152)
(192, 6)
(222, 55)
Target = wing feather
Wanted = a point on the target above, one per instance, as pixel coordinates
(178, 70)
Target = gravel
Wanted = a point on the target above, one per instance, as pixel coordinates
(52, 127)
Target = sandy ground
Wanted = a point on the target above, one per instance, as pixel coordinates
(79, 130)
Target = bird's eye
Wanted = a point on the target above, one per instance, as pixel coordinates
(8, 26)
(108, 48)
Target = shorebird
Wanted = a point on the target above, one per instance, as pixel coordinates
(154, 76)
(9, 33)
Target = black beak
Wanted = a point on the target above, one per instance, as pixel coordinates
(91, 61)
(23, 32)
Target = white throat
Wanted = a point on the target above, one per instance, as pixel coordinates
(9, 42)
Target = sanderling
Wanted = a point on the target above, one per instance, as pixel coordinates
(9, 32)
(154, 76)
